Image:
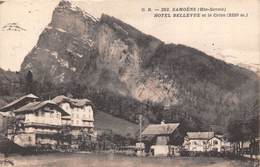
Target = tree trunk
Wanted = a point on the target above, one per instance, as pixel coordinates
(242, 148)
(238, 148)
(251, 147)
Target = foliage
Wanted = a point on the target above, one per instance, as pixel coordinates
(200, 106)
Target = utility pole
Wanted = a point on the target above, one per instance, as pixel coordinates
(140, 128)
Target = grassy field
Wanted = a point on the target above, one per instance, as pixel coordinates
(112, 160)
(117, 125)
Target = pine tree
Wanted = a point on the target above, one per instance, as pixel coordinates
(29, 82)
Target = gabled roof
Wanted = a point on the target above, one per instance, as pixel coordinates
(34, 106)
(6, 114)
(71, 101)
(217, 137)
(200, 135)
(19, 102)
(160, 129)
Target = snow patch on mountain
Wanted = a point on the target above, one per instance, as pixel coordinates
(58, 29)
(55, 54)
(73, 69)
(63, 63)
(60, 77)
(12, 27)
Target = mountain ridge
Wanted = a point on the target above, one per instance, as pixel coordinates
(111, 55)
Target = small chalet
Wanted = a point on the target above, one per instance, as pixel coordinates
(160, 135)
(205, 141)
(218, 143)
(199, 141)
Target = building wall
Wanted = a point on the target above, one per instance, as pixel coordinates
(31, 139)
(46, 140)
(226, 145)
(80, 116)
(44, 117)
(38, 129)
(162, 140)
(25, 139)
(161, 150)
(197, 145)
(34, 133)
(215, 144)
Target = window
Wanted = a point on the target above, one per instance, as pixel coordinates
(195, 143)
(36, 114)
(29, 138)
(215, 142)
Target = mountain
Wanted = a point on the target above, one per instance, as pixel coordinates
(107, 55)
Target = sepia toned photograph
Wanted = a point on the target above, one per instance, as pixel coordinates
(118, 83)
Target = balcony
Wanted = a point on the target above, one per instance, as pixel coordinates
(34, 124)
(66, 118)
(45, 132)
(87, 119)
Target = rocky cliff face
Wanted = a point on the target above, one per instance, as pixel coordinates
(109, 54)
(106, 53)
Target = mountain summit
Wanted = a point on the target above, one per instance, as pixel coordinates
(111, 55)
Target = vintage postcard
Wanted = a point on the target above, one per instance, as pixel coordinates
(112, 83)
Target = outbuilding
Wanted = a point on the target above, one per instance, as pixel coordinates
(160, 136)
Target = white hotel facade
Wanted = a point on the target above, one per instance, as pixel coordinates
(80, 119)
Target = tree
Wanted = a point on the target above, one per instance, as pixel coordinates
(235, 134)
(243, 130)
(29, 82)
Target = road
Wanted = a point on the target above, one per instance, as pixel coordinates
(113, 160)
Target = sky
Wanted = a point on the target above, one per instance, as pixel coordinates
(235, 40)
